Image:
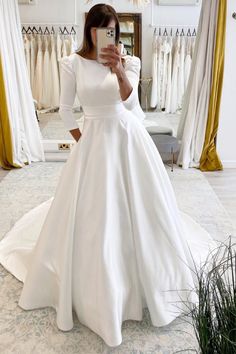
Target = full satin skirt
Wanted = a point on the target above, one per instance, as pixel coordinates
(112, 239)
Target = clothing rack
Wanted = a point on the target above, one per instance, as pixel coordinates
(178, 30)
(45, 28)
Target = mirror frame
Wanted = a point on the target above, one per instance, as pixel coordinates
(137, 19)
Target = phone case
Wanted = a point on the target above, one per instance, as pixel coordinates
(105, 36)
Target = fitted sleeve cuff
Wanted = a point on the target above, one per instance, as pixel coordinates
(68, 92)
(68, 118)
(132, 100)
(132, 70)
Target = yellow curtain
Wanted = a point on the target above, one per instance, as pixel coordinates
(209, 159)
(6, 148)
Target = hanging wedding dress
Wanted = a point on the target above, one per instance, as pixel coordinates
(159, 70)
(73, 44)
(59, 47)
(47, 83)
(27, 53)
(38, 80)
(112, 240)
(55, 92)
(166, 50)
(181, 72)
(193, 42)
(33, 51)
(187, 63)
(64, 49)
(153, 100)
(169, 78)
(175, 72)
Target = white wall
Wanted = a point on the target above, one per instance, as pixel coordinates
(64, 11)
(226, 140)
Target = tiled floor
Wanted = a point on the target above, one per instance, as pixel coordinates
(224, 185)
(3, 173)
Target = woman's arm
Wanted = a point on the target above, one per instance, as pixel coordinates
(124, 84)
(67, 98)
(128, 76)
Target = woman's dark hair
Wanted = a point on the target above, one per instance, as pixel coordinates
(99, 15)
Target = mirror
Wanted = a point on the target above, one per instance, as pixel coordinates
(131, 36)
(137, 34)
(131, 33)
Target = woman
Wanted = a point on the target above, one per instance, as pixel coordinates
(112, 239)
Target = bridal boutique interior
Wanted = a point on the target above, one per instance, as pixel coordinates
(186, 92)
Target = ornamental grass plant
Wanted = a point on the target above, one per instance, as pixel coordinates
(214, 316)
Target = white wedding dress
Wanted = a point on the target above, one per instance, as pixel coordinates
(112, 239)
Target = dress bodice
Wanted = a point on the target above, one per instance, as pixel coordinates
(95, 85)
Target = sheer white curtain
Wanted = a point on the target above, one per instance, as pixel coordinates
(26, 136)
(193, 121)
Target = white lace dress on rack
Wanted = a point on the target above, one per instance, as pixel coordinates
(38, 78)
(55, 92)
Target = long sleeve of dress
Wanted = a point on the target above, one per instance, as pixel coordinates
(132, 70)
(68, 92)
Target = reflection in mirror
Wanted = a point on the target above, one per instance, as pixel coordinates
(165, 68)
(131, 33)
(174, 30)
(127, 36)
(45, 45)
(172, 53)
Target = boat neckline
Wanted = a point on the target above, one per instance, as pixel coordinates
(86, 58)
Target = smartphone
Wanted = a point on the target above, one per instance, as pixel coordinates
(105, 36)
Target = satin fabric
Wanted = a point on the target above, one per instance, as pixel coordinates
(112, 239)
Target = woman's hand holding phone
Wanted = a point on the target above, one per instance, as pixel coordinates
(113, 58)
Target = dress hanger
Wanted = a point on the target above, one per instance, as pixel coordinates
(165, 32)
(46, 31)
(23, 30)
(72, 30)
(34, 30)
(65, 31)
